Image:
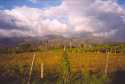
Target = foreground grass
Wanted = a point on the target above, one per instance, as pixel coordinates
(72, 67)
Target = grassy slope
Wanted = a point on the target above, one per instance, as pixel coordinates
(14, 68)
(78, 60)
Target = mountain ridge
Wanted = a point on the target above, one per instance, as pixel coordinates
(13, 41)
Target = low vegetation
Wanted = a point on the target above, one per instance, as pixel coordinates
(84, 65)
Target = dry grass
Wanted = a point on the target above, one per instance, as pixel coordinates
(78, 60)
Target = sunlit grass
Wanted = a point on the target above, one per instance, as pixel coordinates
(52, 59)
(62, 65)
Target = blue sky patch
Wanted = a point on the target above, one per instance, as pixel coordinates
(121, 1)
(10, 4)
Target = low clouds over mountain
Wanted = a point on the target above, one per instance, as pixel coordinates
(96, 18)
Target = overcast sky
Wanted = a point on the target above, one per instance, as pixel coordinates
(96, 18)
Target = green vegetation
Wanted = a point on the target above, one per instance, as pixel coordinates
(87, 47)
(65, 69)
(84, 65)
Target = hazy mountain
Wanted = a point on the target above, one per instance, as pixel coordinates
(76, 39)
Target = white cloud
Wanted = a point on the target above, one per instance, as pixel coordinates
(82, 23)
(38, 21)
(98, 17)
(34, 1)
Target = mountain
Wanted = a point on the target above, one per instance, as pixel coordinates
(51, 39)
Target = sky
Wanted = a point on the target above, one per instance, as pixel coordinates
(89, 18)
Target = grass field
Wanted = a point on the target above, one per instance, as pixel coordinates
(78, 63)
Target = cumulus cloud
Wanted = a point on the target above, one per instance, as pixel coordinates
(35, 22)
(98, 18)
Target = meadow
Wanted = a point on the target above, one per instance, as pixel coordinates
(61, 66)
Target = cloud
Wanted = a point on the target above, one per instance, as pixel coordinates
(109, 16)
(34, 21)
(38, 1)
(98, 18)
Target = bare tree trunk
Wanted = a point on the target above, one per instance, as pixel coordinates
(64, 48)
(107, 63)
(115, 51)
(70, 44)
(42, 70)
(30, 73)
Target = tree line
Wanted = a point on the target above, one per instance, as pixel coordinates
(87, 47)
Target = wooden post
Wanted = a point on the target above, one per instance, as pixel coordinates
(42, 70)
(115, 51)
(70, 44)
(107, 63)
(64, 48)
(30, 72)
